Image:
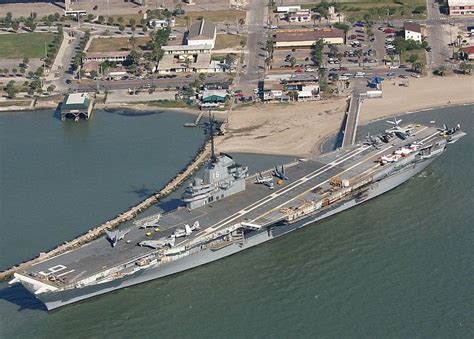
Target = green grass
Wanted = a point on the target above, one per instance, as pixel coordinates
(419, 52)
(228, 41)
(24, 45)
(8, 103)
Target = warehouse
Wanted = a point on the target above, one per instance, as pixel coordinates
(306, 38)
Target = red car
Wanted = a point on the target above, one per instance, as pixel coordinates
(343, 69)
(299, 70)
(389, 30)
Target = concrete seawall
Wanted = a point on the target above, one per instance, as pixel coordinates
(131, 213)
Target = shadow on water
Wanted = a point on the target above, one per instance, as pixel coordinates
(57, 112)
(170, 205)
(18, 295)
(143, 191)
(133, 113)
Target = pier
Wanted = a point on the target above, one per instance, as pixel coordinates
(131, 213)
(77, 105)
(352, 116)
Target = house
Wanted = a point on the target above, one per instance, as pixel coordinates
(202, 33)
(461, 7)
(414, 31)
(467, 53)
(160, 23)
(307, 37)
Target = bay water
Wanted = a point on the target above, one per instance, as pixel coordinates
(400, 265)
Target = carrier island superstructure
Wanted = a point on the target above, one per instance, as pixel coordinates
(228, 211)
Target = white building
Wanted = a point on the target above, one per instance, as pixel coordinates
(202, 33)
(288, 9)
(461, 7)
(159, 23)
(414, 31)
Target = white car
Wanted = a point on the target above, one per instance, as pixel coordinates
(394, 67)
(359, 75)
(309, 69)
(256, 91)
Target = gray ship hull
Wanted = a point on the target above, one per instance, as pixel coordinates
(58, 299)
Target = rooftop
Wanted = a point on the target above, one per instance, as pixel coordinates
(202, 29)
(309, 35)
(468, 49)
(412, 26)
(461, 2)
(76, 98)
(107, 54)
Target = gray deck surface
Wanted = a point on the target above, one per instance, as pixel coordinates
(257, 204)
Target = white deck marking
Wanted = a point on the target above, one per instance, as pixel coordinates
(60, 275)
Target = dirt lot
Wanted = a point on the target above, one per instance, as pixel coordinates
(230, 16)
(228, 41)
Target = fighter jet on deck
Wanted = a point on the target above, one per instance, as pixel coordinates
(156, 244)
(280, 173)
(115, 236)
(400, 132)
(265, 180)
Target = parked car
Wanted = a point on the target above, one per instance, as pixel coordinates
(428, 49)
(415, 75)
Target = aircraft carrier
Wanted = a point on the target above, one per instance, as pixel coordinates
(228, 211)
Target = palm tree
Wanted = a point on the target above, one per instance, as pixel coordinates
(358, 53)
(132, 40)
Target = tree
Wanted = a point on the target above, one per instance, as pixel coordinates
(101, 19)
(94, 74)
(15, 25)
(292, 61)
(22, 70)
(110, 20)
(344, 27)
(243, 43)
(358, 53)
(132, 22)
(39, 72)
(121, 28)
(132, 40)
(11, 90)
(268, 62)
(29, 23)
(50, 88)
(412, 59)
(90, 17)
(144, 28)
(14, 71)
(418, 66)
(133, 28)
(120, 20)
(230, 59)
(465, 67)
(269, 46)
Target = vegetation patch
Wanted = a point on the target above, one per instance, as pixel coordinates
(221, 16)
(228, 41)
(24, 45)
(117, 44)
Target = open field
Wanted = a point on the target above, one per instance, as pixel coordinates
(356, 9)
(21, 45)
(8, 103)
(220, 16)
(228, 41)
(116, 44)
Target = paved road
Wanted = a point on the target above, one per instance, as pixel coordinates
(125, 84)
(256, 40)
(437, 39)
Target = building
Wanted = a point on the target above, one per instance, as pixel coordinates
(414, 31)
(213, 98)
(467, 53)
(461, 7)
(306, 38)
(202, 33)
(186, 50)
(117, 56)
(288, 9)
(159, 23)
(76, 105)
(303, 15)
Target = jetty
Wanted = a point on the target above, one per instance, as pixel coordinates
(202, 154)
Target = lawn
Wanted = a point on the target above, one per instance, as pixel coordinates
(419, 52)
(356, 9)
(116, 44)
(24, 45)
(221, 16)
(228, 41)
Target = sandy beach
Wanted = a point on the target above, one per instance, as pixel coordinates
(299, 128)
